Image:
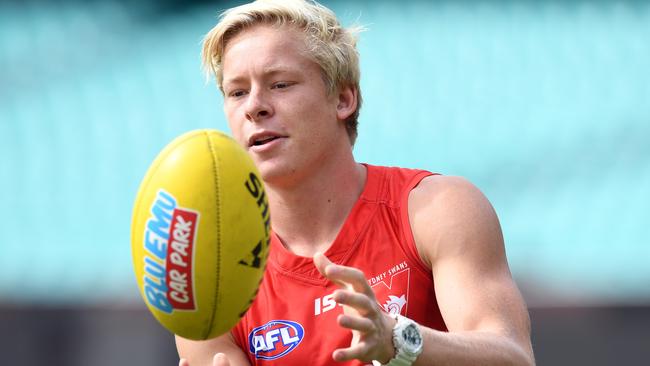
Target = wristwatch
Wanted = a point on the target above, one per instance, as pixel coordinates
(407, 340)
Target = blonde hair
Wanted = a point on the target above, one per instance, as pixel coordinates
(330, 45)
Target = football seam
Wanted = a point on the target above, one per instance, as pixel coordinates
(218, 218)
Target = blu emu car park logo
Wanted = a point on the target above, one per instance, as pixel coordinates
(275, 339)
(169, 241)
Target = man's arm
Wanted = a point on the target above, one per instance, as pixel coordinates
(458, 235)
(206, 353)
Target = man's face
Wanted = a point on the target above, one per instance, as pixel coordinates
(277, 104)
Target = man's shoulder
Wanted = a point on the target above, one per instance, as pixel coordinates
(448, 210)
(439, 191)
(449, 198)
(433, 193)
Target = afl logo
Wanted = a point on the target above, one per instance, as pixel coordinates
(275, 339)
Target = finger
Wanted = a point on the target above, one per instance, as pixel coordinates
(364, 325)
(220, 359)
(356, 352)
(360, 302)
(349, 275)
(183, 362)
(322, 263)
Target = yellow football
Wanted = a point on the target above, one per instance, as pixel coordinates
(200, 234)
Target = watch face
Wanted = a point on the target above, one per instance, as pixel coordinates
(411, 336)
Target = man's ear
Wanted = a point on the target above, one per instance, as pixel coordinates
(347, 102)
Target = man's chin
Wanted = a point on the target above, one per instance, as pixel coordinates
(270, 171)
(277, 175)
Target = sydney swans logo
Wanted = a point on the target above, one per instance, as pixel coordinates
(391, 288)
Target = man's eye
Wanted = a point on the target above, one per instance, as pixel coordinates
(237, 93)
(280, 85)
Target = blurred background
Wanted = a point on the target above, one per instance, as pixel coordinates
(544, 105)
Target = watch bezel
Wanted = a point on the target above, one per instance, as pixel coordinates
(403, 348)
(405, 352)
(411, 337)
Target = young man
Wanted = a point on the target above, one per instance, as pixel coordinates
(414, 268)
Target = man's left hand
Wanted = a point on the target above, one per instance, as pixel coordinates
(372, 328)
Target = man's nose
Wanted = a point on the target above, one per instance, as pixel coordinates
(258, 106)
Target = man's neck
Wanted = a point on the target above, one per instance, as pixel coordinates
(308, 217)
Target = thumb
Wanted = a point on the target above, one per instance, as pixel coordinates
(220, 359)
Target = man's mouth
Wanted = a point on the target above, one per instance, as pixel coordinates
(265, 140)
(263, 137)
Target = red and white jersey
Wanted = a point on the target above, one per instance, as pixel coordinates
(293, 319)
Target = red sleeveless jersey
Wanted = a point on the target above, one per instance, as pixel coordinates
(293, 319)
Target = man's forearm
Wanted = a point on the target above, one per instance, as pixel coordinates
(471, 348)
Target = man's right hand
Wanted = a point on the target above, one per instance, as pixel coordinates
(219, 359)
